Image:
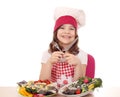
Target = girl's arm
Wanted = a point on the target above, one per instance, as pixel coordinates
(45, 72)
(46, 67)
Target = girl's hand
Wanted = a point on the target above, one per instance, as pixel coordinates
(55, 57)
(71, 59)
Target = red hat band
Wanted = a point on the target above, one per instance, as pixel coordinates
(65, 20)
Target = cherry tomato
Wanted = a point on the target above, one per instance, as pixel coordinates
(47, 82)
(78, 91)
(86, 80)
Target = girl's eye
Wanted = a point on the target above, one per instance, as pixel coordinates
(61, 27)
(72, 28)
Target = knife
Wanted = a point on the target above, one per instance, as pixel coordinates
(69, 46)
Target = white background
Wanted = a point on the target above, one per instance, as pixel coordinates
(26, 28)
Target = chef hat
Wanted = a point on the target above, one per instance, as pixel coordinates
(65, 15)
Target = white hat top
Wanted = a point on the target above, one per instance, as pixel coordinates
(78, 14)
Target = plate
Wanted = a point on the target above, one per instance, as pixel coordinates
(77, 95)
(74, 95)
(41, 96)
(32, 95)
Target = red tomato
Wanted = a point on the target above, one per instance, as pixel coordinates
(78, 91)
(35, 81)
(47, 81)
(86, 80)
(40, 81)
(35, 95)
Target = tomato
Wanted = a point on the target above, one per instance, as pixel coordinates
(47, 81)
(78, 91)
(35, 95)
(35, 81)
(42, 81)
(86, 80)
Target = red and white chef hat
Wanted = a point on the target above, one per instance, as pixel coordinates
(65, 15)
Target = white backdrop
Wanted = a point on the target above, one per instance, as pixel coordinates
(26, 28)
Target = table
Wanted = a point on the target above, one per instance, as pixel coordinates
(101, 92)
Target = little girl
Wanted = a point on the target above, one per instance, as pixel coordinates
(64, 62)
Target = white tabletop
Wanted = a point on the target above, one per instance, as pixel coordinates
(101, 92)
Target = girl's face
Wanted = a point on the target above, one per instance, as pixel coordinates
(66, 34)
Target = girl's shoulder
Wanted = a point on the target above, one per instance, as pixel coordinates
(82, 53)
(45, 56)
(83, 56)
(46, 52)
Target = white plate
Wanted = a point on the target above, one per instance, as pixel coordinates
(75, 95)
(29, 96)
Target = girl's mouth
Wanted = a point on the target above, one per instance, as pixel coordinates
(66, 37)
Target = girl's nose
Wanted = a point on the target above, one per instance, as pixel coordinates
(66, 31)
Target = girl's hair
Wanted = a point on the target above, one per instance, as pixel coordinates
(73, 50)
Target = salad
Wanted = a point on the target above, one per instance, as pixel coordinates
(83, 85)
(40, 88)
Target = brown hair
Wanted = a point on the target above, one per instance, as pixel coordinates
(73, 50)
